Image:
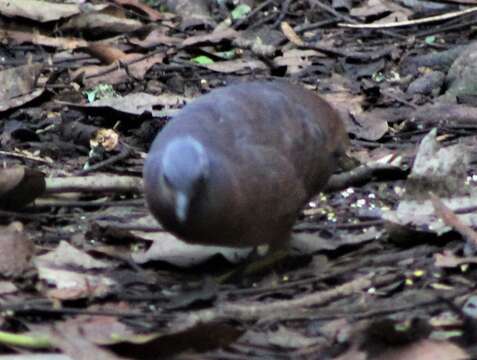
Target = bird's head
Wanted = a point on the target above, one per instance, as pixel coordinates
(184, 172)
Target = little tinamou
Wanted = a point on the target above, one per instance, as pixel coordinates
(236, 166)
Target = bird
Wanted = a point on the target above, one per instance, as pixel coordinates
(235, 167)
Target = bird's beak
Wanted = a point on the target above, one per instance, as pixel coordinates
(182, 206)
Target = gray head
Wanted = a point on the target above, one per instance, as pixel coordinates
(185, 169)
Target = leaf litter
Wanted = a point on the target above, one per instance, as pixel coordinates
(376, 269)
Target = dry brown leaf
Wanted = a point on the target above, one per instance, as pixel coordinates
(236, 66)
(73, 285)
(16, 250)
(22, 37)
(71, 340)
(101, 23)
(211, 38)
(66, 255)
(42, 11)
(106, 53)
(192, 13)
(19, 80)
(153, 14)
(136, 103)
(290, 34)
(156, 37)
(134, 64)
(166, 247)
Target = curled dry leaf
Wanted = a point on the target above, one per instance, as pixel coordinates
(72, 285)
(367, 125)
(101, 22)
(135, 65)
(20, 85)
(442, 171)
(16, 250)
(19, 186)
(290, 34)
(107, 138)
(193, 13)
(461, 75)
(19, 80)
(166, 247)
(137, 103)
(235, 66)
(66, 255)
(296, 60)
(41, 11)
(153, 14)
(104, 52)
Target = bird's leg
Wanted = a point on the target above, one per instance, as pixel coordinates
(257, 262)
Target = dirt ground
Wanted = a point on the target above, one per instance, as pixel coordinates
(382, 264)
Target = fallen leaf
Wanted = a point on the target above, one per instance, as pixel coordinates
(211, 38)
(42, 11)
(166, 247)
(153, 14)
(100, 22)
(66, 255)
(291, 339)
(134, 64)
(71, 285)
(238, 65)
(135, 104)
(16, 250)
(193, 13)
(156, 37)
(22, 37)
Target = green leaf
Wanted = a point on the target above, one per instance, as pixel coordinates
(240, 11)
(378, 77)
(430, 40)
(203, 60)
(90, 95)
(227, 55)
(102, 91)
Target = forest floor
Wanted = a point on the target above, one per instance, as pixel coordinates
(385, 261)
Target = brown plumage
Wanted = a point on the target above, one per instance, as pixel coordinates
(236, 166)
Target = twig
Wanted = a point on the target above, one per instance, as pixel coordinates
(132, 227)
(283, 13)
(28, 157)
(426, 20)
(452, 220)
(360, 174)
(340, 16)
(96, 183)
(125, 152)
(54, 202)
(257, 310)
(354, 55)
